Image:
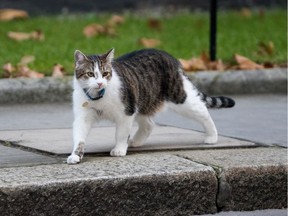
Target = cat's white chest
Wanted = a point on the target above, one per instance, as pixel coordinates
(109, 107)
(102, 110)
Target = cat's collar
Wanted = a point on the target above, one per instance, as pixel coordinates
(100, 94)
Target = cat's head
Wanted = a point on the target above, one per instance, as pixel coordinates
(93, 72)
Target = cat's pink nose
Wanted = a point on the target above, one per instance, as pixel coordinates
(100, 84)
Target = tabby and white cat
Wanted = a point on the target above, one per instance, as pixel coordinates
(134, 87)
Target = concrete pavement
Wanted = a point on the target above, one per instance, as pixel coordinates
(245, 171)
(191, 179)
(258, 118)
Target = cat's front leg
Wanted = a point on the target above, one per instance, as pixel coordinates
(77, 154)
(123, 129)
(81, 127)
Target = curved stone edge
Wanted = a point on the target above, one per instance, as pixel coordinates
(241, 82)
(24, 90)
(48, 89)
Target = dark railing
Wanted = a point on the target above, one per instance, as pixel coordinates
(213, 29)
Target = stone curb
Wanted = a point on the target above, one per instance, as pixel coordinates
(242, 82)
(21, 90)
(175, 183)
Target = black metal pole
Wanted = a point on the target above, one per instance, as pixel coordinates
(213, 29)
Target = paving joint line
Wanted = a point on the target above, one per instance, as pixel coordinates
(218, 171)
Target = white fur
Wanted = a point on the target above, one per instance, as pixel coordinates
(110, 107)
(194, 108)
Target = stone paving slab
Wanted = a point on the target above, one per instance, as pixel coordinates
(154, 184)
(11, 157)
(168, 183)
(101, 139)
(249, 179)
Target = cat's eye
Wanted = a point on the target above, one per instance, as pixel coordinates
(90, 74)
(105, 74)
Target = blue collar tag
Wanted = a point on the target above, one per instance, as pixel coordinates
(100, 94)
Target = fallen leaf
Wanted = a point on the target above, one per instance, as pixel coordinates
(216, 65)
(268, 64)
(37, 35)
(25, 71)
(194, 64)
(21, 36)
(245, 63)
(186, 64)
(115, 20)
(154, 24)
(198, 64)
(8, 70)
(149, 42)
(93, 29)
(205, 58)
(11, 14)
(111, 31)
(25, 60)
(58, 71)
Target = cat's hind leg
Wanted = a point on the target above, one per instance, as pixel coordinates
(145, 127)
(194, 108)
(123, 128)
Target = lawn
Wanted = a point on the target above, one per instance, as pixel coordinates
(182, 34)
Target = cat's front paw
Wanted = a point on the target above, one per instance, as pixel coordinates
(73, 159)
(211, 140)
(118, 152)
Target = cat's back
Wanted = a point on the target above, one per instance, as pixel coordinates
(150, 60)
(149, 78)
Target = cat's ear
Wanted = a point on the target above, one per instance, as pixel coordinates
(79, 57)
(109, 55)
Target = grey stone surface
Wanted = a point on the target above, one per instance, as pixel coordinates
(50, 89)
(269, 212)
(11, 157)
(101, 139)
(27, 90)
(246, 177)
(242, 82)
(249, 179)
(258, 118)
(153, 184)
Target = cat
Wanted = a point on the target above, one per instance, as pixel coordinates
(134, 87)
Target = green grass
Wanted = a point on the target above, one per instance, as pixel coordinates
(183, 35)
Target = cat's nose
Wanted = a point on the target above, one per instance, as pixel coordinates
(100, 84)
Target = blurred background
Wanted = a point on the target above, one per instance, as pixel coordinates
(36, 7)
(40, 37)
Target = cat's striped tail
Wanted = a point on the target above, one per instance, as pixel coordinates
(217, 102)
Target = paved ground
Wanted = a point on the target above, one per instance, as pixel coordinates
(270, 212)
(258, 118)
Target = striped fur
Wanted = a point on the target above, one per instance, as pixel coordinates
(217, 102)
(149, 78)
